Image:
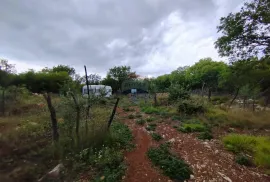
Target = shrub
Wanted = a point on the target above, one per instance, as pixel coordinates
(138, 115)
(258, 147)
(150, 110)
(192, 127)
(177, 92)
(131, 116)
(150, 119)
(176, 118)
(191, 107)
(220, 99)
(171, 165)
(126, 109)
(243, 160)
(206, 135)
(156, 136)
(151, 127)
(140, 121)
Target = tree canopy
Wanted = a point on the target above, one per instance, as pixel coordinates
(245, 34)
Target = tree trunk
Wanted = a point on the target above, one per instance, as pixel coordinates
(47, 97)
(77, 114)
(202, 89)
(3, 102)
(236, 94)
(113, 113)
(244, 102)
(155, 99)
(253, 105)
(209, 94)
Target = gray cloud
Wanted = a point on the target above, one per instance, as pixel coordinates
(103, 33)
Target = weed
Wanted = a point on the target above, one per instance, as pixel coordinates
(150, 119)
(171, 165)
(192, 127)
(191, 107)
(131, 116)
(176, 118)
(151, 127)
(258, 147)
(156, 136)
(126, 109)
(206, 135)
(150, 110)
(138, 115)
(243, 160)
(140, 121)
(175, 126)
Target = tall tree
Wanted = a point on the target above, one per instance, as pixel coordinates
(245, 33)
(120, 74)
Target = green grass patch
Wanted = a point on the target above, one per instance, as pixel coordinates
(258, 147)
(156, 136)
(138, 115)
(151, 127)
(171, 165)
(192, 127)
(140, 121)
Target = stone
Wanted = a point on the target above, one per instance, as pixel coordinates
(172, 140)
(191, 176)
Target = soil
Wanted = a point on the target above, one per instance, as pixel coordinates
(140, 168)
(209, 161)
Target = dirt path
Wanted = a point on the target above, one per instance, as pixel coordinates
(210, 163)
(140, 168)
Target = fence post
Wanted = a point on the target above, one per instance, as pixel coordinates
(113, 112)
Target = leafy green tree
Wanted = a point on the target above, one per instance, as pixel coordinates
(245, 33)
(119, 74)
(206, 73)
(64, 68)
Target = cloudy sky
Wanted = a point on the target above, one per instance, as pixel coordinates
(152, 36)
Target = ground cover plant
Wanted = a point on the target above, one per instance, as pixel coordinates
(171, 165)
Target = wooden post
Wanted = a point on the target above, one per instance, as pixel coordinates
(88, 101)
(47, 97)
(113, 112)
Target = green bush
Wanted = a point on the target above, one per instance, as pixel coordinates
(258, 147)
(191, 107)
(150, 119)
(192, 127)
(220, 99)
(156, 136)
(150, 110)
(177, 92)
(243, 160)
(151, 127)
(131, 116)
(171, 165)
(206, 135)
(140, 121)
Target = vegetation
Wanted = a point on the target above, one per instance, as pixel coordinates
(151, 127)
(192, 127)
(243, 160)
(258, 147)
(206, 135)
(171, 165)
(140, 121)
(156, 136)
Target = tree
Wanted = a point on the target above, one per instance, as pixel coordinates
(94, 79)
(64, 68)
(245, 33)
(119, 74)
(206, 73)
(111, 82)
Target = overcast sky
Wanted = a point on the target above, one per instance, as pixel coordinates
(154, 37)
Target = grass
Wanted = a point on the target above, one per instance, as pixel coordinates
(239, 118)
(192, 127)
(150, 119)
(138, 115)
(243, 160)
(171, 165)
(151, 127)
(156, 136)
(140, 121)
(258, 147)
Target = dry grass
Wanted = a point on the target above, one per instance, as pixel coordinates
(237, 117)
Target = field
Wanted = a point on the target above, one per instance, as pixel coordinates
(144, 142)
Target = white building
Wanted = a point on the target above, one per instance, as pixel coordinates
(98, 90)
